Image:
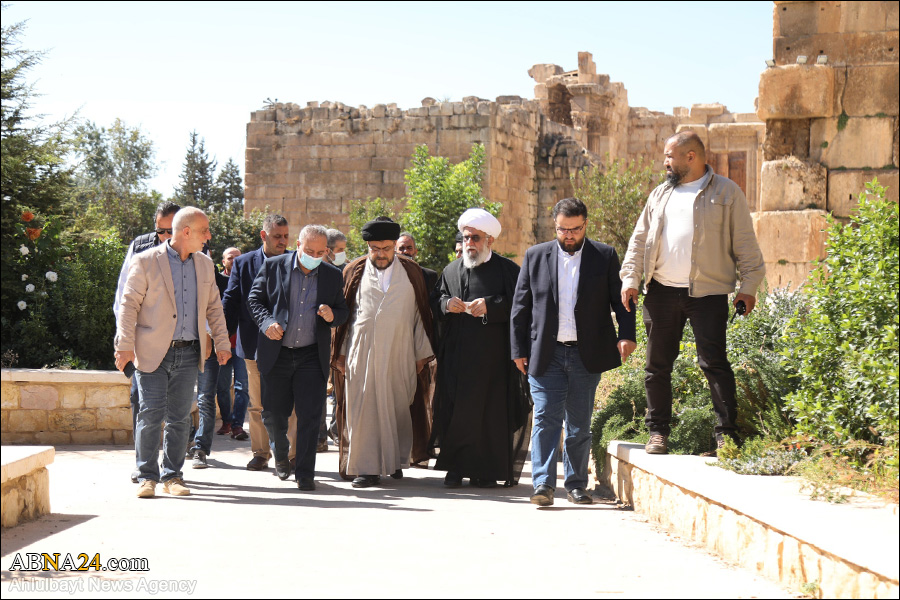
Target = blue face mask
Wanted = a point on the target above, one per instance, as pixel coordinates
(308, 261)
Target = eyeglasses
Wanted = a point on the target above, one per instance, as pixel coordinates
(384, 250)
(472, 238)
(565, 230)
(163, 230)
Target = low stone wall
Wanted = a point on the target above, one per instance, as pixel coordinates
(763, 523)
(55, 406)
(25, 484)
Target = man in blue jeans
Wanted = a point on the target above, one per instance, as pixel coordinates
(170, 296)
(563, 338)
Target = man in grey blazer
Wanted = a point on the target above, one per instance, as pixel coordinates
(169, 300)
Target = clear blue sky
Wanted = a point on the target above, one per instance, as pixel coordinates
(174, 67)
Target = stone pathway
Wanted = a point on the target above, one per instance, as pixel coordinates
(244, 533)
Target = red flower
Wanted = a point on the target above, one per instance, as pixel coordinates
(27, 216)
(33, 233)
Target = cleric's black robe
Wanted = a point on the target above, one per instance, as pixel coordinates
(482, 403)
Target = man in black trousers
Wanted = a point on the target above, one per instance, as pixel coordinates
(295, 301)
(563, 337)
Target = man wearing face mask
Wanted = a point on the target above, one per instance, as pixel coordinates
(337, 248)
(295, 301)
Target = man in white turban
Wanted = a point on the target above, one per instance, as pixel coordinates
(481, 402)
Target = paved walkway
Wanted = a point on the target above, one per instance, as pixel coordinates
(246, 533)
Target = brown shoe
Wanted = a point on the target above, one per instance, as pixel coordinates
(225, 429)
(176, 487)
(658, 444)
(322, 446)
(147, 489)
(238, 433)
(258, 463)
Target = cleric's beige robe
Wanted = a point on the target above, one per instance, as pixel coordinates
(384, 340)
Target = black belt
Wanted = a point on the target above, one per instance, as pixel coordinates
(184, 343)
(568, 344)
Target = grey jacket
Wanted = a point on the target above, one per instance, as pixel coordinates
(724, 241)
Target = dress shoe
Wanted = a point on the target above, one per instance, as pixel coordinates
(543, 495)
(306, 484)
(398, 474)
(322, 446)
(364, 481)
(224, 429)
(658, 444)
(283, 469)
(579, 496)
(257, 463)
(238, 433)
(453, 480)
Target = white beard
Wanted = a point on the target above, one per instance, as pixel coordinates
(471, 262)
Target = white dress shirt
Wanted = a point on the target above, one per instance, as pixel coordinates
(568, 267)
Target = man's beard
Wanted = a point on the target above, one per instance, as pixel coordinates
(470, 262)
(377, 266)
(674, 176)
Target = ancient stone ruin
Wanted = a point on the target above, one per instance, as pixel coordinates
(822, 130)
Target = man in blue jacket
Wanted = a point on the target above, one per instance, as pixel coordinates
(295, 301)
(275, 236)
(563, 337)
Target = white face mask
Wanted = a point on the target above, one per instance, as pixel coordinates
(339, 259)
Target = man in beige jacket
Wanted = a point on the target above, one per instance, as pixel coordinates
(694, 235)
(170, 307)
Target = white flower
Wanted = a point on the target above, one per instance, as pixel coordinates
(29, 288)
(24, 250)
(21, 304)
(51, 276)
(24, 277)
(44, 295)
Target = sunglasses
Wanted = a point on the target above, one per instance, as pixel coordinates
(164, 230)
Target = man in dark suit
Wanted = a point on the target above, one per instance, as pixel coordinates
(563, 337)
(275, 239)
(295, 301)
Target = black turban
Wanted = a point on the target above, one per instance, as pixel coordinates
(376, 231)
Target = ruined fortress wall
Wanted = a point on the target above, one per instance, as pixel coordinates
(830, 127)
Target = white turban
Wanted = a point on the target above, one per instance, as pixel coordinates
(480, 219)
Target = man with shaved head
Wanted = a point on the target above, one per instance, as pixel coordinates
(169, 300)
(693, 236)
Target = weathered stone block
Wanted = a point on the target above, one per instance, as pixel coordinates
(113, 418)
(844, 188)
(71, 420)
(786, 137)
(807, 18)
(52, 438)
(868, 16)
(4, 421)
(796, 92)
(108, 396)
(872, 90)
(92, 437)
(860, 143)
(796, 236)
(863, 48)
(792, 184)
(790, 275)
(9, 395)
(26, 421)
(123, 437)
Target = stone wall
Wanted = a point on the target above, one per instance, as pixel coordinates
(53, 407)
(309, 163)
(831, 124)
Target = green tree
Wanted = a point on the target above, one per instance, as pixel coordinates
(231, 228)
(615, 196)
(197, 186)
(34, 178)
(228, 192)
(845, 346)
(111, 181)
(437, 193)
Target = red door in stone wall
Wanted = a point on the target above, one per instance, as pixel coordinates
(737, 169)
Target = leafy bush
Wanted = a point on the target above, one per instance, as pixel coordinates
(759, 456)
(845, 344)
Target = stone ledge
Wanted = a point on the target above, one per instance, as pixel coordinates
(64, 376)
(19, 461)
(835, 532)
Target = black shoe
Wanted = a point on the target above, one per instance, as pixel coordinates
(579, 496)
(364, 481)
(257, 463)
(306, 484)
(398, 474)
(453, 480)
(283, 469)
(482, 483)
(543, 495)
(192, 452)
(134, 476)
